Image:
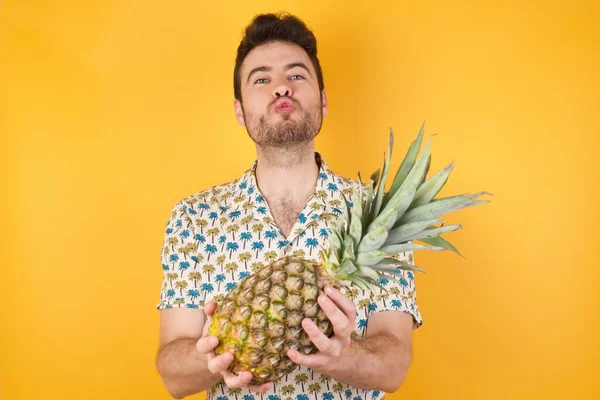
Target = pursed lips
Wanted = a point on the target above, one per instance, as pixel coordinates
(284, 105)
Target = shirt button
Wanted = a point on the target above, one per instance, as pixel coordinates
(288, 249)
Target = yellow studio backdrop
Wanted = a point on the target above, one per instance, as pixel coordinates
(111, 111)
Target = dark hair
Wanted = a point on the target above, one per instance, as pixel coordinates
(283, 27)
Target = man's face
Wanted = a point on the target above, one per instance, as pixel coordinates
(282, 104)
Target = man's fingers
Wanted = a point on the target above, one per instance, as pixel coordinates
(310, 361)
(220, 363)
(344, 303)
(323, 343)
(339, 320)
(207, 344)
(236, 381)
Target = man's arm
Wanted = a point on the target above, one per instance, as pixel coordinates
(380, 361)
(186, 360)
(183, 369)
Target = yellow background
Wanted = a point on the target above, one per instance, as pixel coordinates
(111, 111)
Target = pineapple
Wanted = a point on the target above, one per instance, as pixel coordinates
(261, 319)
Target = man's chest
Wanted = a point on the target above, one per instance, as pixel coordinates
(285, 213)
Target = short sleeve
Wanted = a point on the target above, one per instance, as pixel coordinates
(400, 293)
(179, 259)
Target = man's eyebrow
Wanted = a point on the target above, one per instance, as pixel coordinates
(264, 68)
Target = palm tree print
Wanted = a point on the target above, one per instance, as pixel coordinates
(219, 278)
(207, 288)
(258, 246)
(245, 237)
(217, 237)
(183, 266)
(221, 261)
(171, 277)
(301, 379)
(194, 277)
(245, 257)
(325, 379)
(270, 235)
(193, 294)
(234, 392)
(181, 285)
(312, 244)
(338, 388)
(233, 229)
(256, 266)
(231, 267)
(231, 247)
(287, 390)
(202, 223)
(314, 388)
(258, 228)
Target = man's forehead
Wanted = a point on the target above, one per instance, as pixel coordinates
(274, 55)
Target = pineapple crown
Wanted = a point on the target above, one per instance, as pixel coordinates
(364, 248)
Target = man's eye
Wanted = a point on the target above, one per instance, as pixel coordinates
(301, 77)
(260, 79)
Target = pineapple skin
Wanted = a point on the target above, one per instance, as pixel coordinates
(260, 320)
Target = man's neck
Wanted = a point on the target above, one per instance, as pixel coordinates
(287, 172)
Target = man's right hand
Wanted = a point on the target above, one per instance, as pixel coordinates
(218, 364)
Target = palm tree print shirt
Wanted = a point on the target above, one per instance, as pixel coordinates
(216, 237)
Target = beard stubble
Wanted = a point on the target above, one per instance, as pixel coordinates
(287, 131)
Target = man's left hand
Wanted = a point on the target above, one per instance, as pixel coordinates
(341, 311)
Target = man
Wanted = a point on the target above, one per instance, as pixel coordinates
(218, 236)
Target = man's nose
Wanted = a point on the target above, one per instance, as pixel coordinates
(282, 89)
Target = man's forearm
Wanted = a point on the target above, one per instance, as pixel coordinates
(183, 369)
(378, 362)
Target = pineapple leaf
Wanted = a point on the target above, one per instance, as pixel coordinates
(370, 258)
(334, 240)
(404, 232)
(349, 246)
(429, 189)
(347, 208)
(356, 217)
(402, 248)
(348, 268)
(381, 185)
(367, 208)
(439, 207)
(361, 283)
(373, 240)
(375, 176)
(441, 242)
(333, 259)
(406, 166)
(427, 233)
(404, 196)
(367, 272)
(367, 204)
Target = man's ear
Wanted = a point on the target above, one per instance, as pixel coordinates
(325, 106)
(239, 113)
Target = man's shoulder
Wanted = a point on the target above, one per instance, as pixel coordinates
(211, 198)
(347, 184)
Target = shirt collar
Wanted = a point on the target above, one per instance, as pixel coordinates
(327, 196)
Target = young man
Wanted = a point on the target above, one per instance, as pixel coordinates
(218, 236)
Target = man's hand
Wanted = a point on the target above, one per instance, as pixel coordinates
(341, 311)
(218, 364)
